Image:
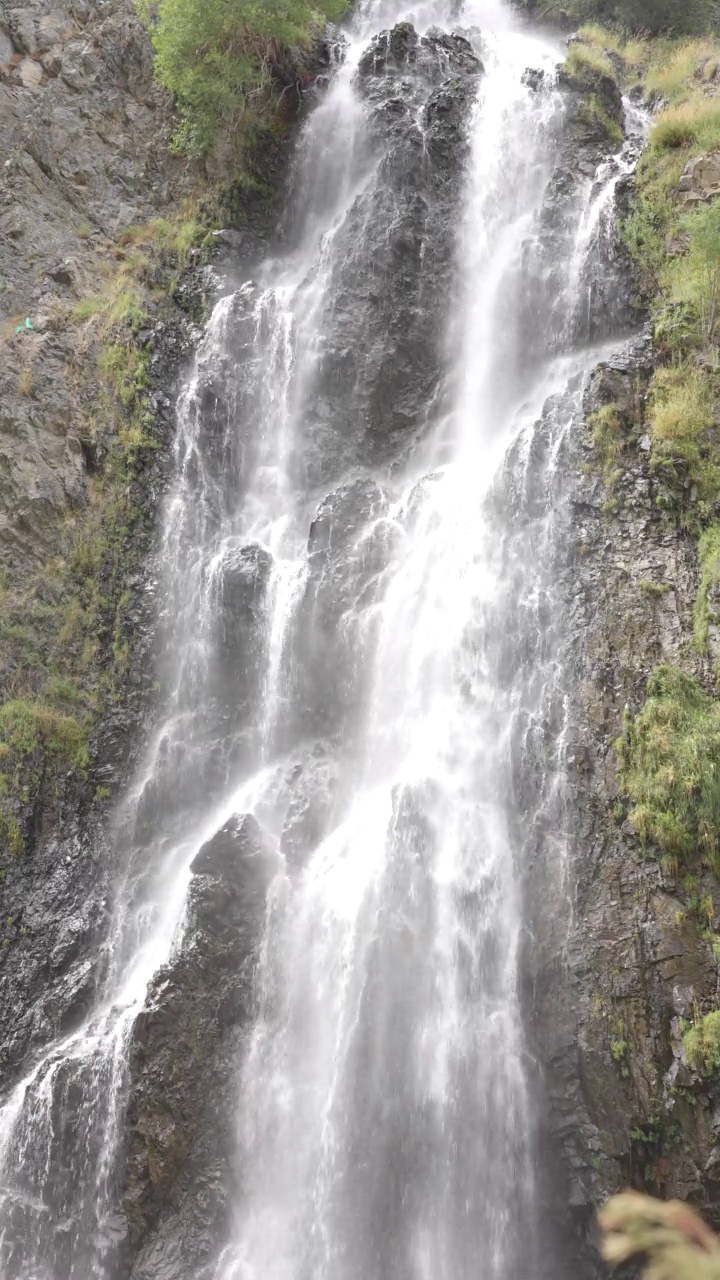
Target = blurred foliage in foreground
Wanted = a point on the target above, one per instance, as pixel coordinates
(671, 1237)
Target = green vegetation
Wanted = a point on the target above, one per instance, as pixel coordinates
(702, 1044)
(586, 61)
(694, 123)
(675, 248)
(670, 769)
(218, 57)
(593, 114)
(709, 551)
(609, 431)
(667, 1240)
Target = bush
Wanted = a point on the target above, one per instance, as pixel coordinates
(666, 1239)
(702, 1044)
(670, 769)
(216, 57)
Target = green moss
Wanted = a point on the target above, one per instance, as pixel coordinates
(653, 588)
(670, 769)
(702, 1044)
(26, 726)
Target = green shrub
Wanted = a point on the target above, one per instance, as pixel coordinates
(670, 769)
(214, 56)
(702, 1044)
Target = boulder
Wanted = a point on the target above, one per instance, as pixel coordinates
(700, 180)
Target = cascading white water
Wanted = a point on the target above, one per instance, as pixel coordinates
(385, 1125)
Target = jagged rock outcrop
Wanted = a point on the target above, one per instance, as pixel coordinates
(183, 1056)
(419, 92)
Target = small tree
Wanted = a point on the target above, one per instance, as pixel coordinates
(217, 56)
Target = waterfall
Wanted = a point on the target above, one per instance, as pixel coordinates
(363, 690)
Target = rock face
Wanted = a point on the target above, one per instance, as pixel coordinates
(183, 1057)
(625, 1107)
(419, 92)
(83, 135)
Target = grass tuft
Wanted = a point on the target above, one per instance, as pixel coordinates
(670, 768)
(702, 1044)
(695, 123)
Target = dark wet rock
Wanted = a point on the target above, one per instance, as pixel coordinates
(313, 797)
(533, 78)
(381, 352)
(390, 51)
(184, 1044)
(243, 579)
(350, 544)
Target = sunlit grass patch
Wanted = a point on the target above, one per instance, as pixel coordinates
(694, 123)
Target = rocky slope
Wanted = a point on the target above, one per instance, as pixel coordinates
(613, 1001)
(101, 294)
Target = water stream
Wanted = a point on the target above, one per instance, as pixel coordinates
(363, 650)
